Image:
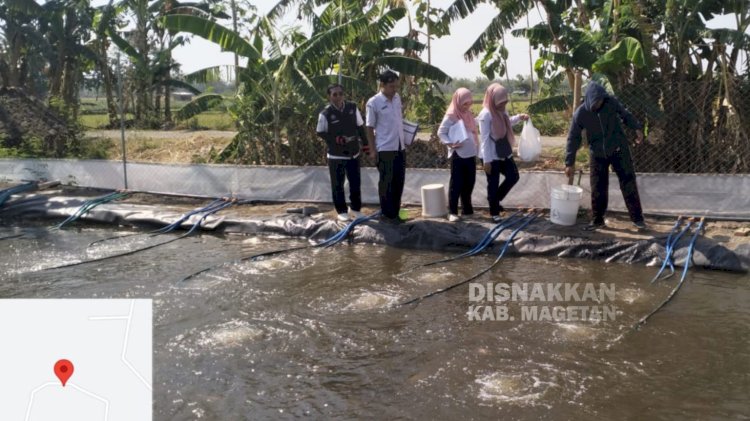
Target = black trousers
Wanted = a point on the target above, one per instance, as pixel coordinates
(622, 164)
(496, 191)
(340, 169)
(463, 177)
(392, 169)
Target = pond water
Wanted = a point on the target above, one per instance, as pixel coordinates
(318, 332)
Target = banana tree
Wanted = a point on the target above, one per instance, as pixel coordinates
(284, 88)
(105, 17)
(20, 42)
(566, 41)
(152, 62)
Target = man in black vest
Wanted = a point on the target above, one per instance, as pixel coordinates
(341, 126)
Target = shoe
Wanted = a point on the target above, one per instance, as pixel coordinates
(343, 217)
(641, 225)
(497, 219)
(393, 221)
(594, 225)
(453, 218)
(356, 214)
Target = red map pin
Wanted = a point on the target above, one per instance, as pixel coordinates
(63, 370)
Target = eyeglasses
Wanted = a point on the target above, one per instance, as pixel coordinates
(337, 94)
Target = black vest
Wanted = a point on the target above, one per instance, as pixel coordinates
(342, 123)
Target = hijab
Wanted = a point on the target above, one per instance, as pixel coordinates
(500, 124)
(461, 96)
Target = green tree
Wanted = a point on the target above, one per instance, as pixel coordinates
(285, 78)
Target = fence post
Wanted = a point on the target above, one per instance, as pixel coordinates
(122, 123)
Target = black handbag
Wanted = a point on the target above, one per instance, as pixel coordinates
(502, 147)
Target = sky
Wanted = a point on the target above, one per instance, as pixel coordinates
(447, 52)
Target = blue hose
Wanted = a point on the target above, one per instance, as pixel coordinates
(171, 227)
(485, 242)
(5, 194)
(509, 241)
(174, 225)
(495, 232)
(334, 239)
(341, 235)
(669, 249)
(529, 219)
(88, 205)
(192, 229)
(677, 287)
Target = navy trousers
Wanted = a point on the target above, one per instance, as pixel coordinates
(497, 191)
(622, 164)
(463, 178)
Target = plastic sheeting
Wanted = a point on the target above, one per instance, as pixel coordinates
(541, 238)
(717, 195)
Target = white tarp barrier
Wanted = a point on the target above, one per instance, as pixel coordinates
(717, 195)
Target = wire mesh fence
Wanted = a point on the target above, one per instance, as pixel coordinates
(696, 127)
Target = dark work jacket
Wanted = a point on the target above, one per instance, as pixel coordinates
(342, 123)
(603, 126)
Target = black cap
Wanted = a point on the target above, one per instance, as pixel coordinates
(387, 76)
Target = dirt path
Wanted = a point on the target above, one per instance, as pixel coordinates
(173, 146)
(547, 141)
(161, 134)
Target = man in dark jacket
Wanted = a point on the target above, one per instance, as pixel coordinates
(341, 126)
(601, 116)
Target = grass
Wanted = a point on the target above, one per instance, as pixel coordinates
(93, 115)
(210, 120)
(99, 105)
(93, 121)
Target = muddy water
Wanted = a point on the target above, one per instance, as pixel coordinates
(317, 333)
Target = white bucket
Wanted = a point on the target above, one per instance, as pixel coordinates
(564, 204)
(434, 204)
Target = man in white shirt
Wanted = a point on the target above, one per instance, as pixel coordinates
(340, 125)
(385, 130)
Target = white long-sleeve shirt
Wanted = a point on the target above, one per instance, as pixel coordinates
(469, 147)
(487, 145)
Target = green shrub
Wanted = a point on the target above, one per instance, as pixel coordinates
(551, 124)
(93, 148)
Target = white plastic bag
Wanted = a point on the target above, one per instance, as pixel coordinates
(530, 146)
